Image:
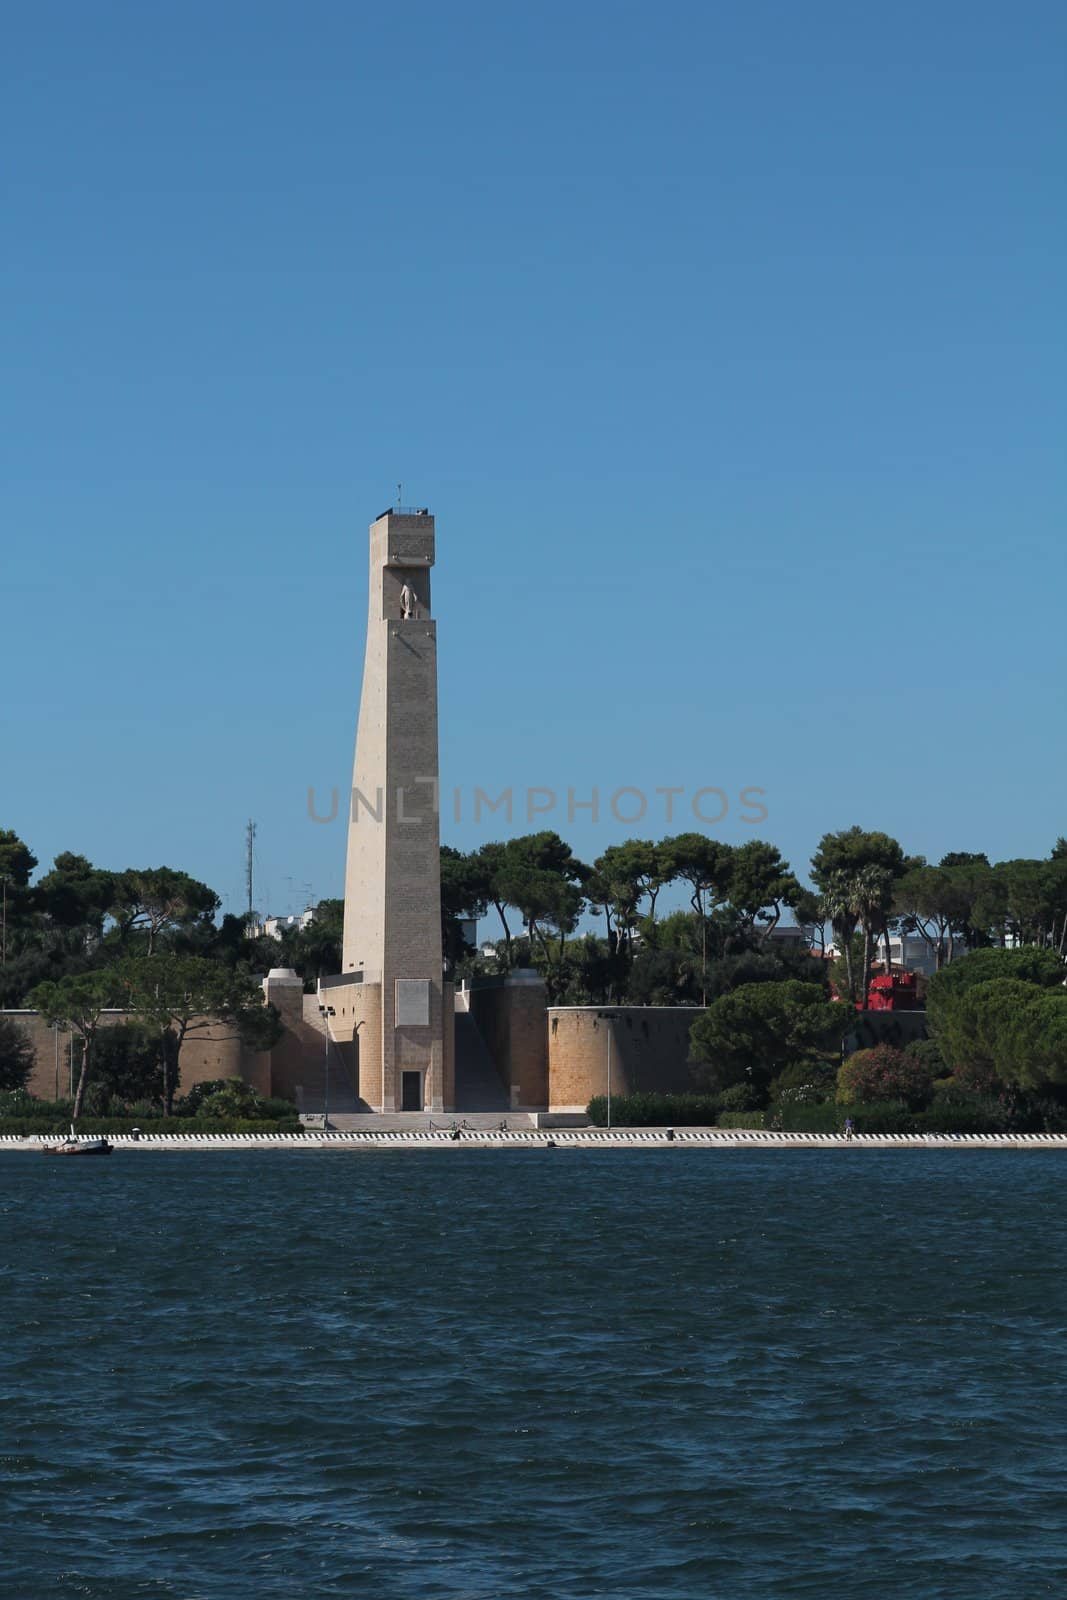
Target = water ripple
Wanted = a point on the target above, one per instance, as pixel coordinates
(459, 1378)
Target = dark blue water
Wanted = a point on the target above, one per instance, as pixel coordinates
(535, 1373)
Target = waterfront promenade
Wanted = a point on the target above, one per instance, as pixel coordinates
(552, 1138)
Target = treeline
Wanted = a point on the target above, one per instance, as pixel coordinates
(865, 889)
(78, 917)
(770, 1055)
(81, 939)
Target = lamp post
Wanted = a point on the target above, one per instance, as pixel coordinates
(327, 1012)
(609, 1073)
(605, 1016)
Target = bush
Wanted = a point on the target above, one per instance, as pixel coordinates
(888, 1117)
(654, 1110)
(956, 1110)
(805, 1084)
(741, 1097)
(972, 1077)
(928, 1051)
(883, 1074)
(20, 1103)
(231, 1097)
(824, 1117)
(33, 1126)
(742, 1119)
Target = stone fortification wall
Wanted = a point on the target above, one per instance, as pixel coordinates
(649, 1048)
(215, 1052)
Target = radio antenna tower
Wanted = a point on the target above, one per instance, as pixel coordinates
(250, 841)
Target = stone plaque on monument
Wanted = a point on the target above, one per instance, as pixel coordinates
(412, 1002)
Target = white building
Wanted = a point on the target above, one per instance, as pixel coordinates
(274, 927)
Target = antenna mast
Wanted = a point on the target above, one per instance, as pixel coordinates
(250, 840)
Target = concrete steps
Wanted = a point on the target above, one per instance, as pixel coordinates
(343, 1097)
(479, 1087)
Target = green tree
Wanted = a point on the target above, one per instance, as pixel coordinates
(760, 885)
(1026, 901)
(180, 996)
(929, 903)
(755, 1032)
(465, 894)
(811, 917)
(856, 870)
(233, 943)
(975, 1009)
(73, 899)
(969, 872)
(670, 967)
(17, 862)
(16, 1055)
(842, 969)
(624, 876)
(315, 949)
(767, 964)
(838, 904)
(159, 901)
(492, 860)
(539, 875)
(77, 1003)
(704, 866)
(127, 1064)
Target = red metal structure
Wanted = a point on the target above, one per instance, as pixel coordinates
(893, 992)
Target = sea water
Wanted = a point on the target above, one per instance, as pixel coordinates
(560, 1373)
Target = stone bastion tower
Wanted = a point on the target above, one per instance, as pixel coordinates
(392, 1013)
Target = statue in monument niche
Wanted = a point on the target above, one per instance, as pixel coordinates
(407, 602)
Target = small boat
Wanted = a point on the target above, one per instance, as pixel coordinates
(79, 1147)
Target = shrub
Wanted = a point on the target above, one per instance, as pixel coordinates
(973, 1077)
(929, 1052)
(741, 1097)
(884, 1074)
(824, 1117)
(20, 1103)
(887, 1117)
(654, 1110)
(957, 1110)
(805, 1084)
(742, 1119)
(35, 1126)
(231, 1097)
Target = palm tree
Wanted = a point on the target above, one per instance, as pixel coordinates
(838, 904)
(864, 898)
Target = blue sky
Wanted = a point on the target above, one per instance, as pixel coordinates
(725, 343)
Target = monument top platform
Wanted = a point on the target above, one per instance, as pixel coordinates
(403, 511)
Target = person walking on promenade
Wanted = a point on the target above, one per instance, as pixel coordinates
(849, 1128)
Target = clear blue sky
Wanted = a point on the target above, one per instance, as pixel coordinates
(724, 341)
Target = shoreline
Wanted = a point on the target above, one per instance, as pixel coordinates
(555, 1138)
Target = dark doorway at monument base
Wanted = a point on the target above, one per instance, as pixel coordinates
(411, 1091)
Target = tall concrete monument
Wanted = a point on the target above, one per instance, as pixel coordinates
(390, 1001)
